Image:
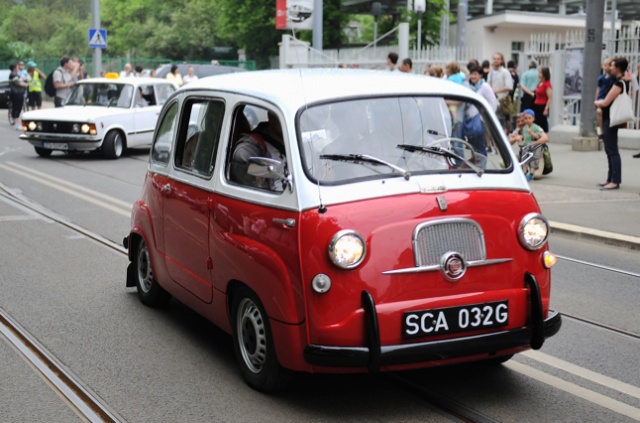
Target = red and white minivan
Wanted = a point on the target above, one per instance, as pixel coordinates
(342, 221)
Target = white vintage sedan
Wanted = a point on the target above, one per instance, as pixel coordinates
(109, 114)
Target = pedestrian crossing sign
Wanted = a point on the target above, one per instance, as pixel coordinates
(97, 38)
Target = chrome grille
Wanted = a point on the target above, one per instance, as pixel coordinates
(432, 240)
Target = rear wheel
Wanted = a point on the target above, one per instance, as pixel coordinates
(253, 344)
(113, 145)
(149, 291)
(43, 152)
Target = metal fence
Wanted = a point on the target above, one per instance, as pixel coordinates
(624, 43)
(116, 64)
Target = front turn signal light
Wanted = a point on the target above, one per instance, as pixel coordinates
(548, 259)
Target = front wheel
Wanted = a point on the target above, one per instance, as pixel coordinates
(253, 344)
(113, 145)
(149, 291)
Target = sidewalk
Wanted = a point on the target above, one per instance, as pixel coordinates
(573, 203)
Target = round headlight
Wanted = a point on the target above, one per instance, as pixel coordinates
(533, 231)
(85, 128)
(347, 249)
(32, 126)
(75, 128)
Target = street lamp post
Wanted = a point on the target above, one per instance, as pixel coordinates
(420, 6)
(375, 11)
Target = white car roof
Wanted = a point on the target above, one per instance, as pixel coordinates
(143, 80)
(297, 87)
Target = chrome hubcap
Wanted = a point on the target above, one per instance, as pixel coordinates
(145, 277)
(252, 335)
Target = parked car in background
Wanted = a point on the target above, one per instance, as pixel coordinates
(201, 71)
(4, 88)
(109, 114)
(331, 221)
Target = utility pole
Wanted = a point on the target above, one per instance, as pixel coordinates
(317, 27)
(591, 65)
(97, 51)
(461, 31)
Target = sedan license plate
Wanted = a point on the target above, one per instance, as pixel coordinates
(55, 145)
(440, 321)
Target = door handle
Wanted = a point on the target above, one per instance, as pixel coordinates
(287, 223)
(166, 188)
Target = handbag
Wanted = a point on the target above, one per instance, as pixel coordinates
(621, 110)
(548, 164)
(472, 127)
(507, 106)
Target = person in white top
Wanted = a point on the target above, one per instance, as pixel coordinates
(127, 72)
(502, 83)
(190, 76)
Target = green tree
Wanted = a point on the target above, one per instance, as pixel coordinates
(250, 24)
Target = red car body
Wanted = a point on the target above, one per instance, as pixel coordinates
(397, 308)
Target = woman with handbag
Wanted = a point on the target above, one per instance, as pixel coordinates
(542, 101)
(619, 66)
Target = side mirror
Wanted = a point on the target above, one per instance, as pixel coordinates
(266, 168)
(270, 169)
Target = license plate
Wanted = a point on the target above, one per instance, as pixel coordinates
(55, 145)
(440, 321)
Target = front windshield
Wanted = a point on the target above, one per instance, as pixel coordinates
(101, 94)
(403, 136)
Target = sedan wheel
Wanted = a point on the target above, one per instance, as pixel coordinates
(113, 145)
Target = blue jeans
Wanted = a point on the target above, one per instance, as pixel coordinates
(614, 175)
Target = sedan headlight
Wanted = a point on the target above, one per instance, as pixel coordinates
(85, 128)
(347, 249)
(533, 231)
(32, 126)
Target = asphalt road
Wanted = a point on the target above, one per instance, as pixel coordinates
(171, 365)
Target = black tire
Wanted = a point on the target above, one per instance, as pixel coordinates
(149, 291)
(253, 344)
(43, 152)
(113, 145)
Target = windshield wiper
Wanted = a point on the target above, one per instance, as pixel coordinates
(442, 152)
(365, 158)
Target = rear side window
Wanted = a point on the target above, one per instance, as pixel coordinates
(161, 149)
(200, 136)
(163, 91)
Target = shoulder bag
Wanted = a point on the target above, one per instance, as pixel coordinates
(621, 110)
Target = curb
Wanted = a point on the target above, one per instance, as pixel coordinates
(610, 238)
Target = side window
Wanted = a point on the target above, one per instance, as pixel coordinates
(163, 91)
(199, 137)
(145, 96)
(256, 132)
(161, 149)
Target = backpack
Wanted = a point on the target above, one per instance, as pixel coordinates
(49, 88)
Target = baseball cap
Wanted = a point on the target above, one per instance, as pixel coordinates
(529, 112)
(32, 64)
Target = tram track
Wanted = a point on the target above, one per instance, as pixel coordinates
(84, 402)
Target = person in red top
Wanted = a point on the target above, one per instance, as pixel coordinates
(542, 102)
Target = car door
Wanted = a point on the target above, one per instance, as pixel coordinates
(189, 194)
(146, 110)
